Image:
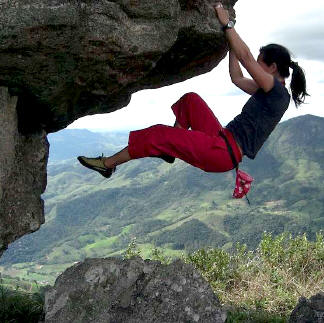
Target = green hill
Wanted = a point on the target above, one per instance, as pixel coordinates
(176, 207)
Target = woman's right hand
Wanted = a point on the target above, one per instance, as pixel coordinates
(262, 78)
(222, 14)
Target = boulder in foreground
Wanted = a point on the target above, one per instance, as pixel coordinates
(136, 290)
(309, 310)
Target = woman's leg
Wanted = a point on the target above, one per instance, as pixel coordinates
(117, 159)
(192, 111)
(201, 147)
(105, 165)
(197, 148)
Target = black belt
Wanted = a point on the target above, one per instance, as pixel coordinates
(230, 150)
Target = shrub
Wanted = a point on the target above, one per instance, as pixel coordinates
(21, 307)
(269, 279)
(132, 250)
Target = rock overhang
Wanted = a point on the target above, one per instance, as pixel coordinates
(66, 59)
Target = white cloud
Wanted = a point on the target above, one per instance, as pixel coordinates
(305, 39)
(297, 25)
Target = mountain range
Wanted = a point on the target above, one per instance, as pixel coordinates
(174, 207)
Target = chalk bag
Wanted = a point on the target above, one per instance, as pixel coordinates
(242, 184)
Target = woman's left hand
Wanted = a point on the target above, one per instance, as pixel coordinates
(222, 14)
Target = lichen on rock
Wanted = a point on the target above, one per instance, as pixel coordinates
(129, 291)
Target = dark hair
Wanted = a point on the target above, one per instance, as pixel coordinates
(274, 53)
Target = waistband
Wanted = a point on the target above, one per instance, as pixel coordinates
(236, 150)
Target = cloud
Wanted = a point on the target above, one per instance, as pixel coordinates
(303, 30)
(305, 40)
(295, 24)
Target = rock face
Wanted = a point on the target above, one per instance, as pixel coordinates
(23, 160)
(65, 59)
(309, 310)
(131, 291)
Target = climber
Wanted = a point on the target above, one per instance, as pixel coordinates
(208, 145)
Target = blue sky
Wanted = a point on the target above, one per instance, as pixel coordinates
(298, 25)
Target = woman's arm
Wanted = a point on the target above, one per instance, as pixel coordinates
(243, 54)
(247, 85)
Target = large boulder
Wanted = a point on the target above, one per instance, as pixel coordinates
(309, 310)
(23, 160)
(131, 291)
(115, 290)
(65, 59)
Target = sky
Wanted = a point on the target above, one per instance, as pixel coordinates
(296, 24)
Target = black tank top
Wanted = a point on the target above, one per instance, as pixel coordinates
(259, 116)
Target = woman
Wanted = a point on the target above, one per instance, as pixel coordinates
(208, 145)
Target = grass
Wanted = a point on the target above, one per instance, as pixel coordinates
(101, 244)
(262, 285)
(269, 280)
(236, 315)
(44, 275)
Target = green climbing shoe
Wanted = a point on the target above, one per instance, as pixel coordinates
(97, 164)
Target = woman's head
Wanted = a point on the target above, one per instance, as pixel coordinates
(274, 53)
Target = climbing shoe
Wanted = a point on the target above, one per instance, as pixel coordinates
(97, 164)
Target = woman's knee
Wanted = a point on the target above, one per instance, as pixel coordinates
(157, 130)
(192, 96)
(193, 100)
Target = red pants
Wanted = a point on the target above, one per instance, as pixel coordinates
(201, 146)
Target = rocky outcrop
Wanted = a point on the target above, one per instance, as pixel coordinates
(309, 310)
(65, 59)
(23, 160)
(129, 291)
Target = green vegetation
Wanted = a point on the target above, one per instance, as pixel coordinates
(269, 279)
(20, 301)
(175, 207)
(261, 286)
(179, 209)
(253, 316)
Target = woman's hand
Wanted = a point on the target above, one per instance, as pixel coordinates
(242, 53)
(222, 14)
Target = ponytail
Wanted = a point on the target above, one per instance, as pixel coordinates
(274, 53)
(298, 84)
